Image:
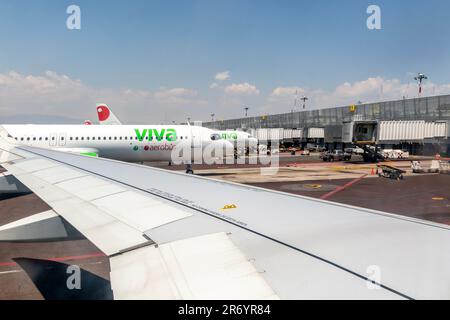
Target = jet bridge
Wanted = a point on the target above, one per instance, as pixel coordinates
(368, 135)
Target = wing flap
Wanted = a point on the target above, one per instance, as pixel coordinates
(205, 267)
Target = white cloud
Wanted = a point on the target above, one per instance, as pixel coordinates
(287, 91)
(369, 90)
(371, 86)
(222, 76)
(213, 85)
(58, 95)
(177, 97)
(164, 93)
(242, 89)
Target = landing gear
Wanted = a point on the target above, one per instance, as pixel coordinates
(189, 169)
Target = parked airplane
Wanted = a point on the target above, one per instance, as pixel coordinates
(174, 236)
(131, 143)
(240, 139)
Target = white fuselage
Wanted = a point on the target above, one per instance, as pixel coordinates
(132, 143)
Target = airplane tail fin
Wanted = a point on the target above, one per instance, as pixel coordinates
(106, 116)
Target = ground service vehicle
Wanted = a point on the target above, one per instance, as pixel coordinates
(336, 155)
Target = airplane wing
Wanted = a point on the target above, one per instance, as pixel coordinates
(175, 236)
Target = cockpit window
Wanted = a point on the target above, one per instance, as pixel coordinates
(215, 136)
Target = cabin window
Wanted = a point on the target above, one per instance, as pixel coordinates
(82, 138)
(40, 138)
(110, 138)
(181, 138)
(88, 138)
(93, 138)
(21, 139)
(34, 139)
(76, 138)
(62, 138)
(125, 138)
(53, 138)
(115, 138)
(46, 138)
(120, 138)
(71, 138)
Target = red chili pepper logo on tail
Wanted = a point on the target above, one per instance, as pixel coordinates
(103, 113)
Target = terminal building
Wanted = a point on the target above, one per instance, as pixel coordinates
(420, 126)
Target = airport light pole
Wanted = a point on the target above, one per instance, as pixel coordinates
(420, 77)
(246, 111)
(212, 117)
(304, 99)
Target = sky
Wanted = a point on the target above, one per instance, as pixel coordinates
(162, 61)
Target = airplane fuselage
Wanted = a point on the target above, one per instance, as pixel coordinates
(132, 143)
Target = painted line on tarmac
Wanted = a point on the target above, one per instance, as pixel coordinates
(340, 188)
(11, 271)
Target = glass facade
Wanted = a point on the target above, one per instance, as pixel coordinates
(427, 108)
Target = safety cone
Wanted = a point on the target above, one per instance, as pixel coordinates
(372, 173)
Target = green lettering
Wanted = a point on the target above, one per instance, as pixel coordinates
(150, 135)
(159, 135)
(229, 136)
(171, 135)
(139, 135)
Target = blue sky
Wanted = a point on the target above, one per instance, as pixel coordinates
(160, 45)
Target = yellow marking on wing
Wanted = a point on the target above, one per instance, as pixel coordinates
(229, 206)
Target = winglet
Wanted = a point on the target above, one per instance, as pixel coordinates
(105, 115)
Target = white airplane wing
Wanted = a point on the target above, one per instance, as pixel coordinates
(175, 236)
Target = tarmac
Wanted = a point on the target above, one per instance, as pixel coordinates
(422, 196)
